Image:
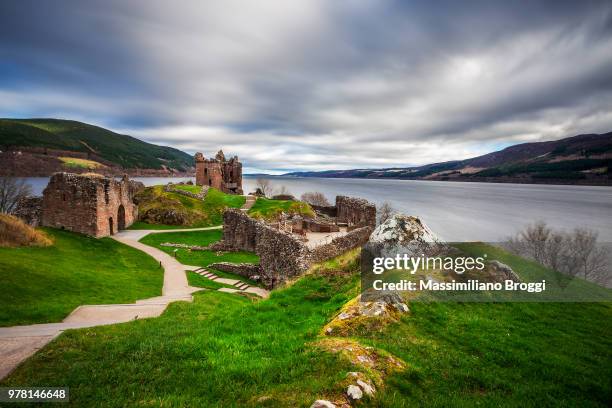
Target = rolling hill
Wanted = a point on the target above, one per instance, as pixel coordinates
(582, 159)
(54, 144)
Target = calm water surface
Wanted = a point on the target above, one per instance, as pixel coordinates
(458, 211)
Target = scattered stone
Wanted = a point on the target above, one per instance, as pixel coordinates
(354, 392)
(367, 388)
(322, 404)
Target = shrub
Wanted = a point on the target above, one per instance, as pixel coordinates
(15, 233)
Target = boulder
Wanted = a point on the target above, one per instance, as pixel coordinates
(502, 272)
(404, 234)
(354, 392)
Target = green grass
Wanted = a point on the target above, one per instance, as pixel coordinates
(139, 225)
(42, 285)
(268, 209)
(224, 350)
(200, 258)
(190, 188)
(123, 150)
(198, 213)
(73, 162)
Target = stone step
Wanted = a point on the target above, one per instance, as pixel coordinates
(227, 281)
(228, 290)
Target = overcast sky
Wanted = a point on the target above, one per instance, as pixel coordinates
(313, 85)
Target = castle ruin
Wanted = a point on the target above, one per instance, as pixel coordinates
(219, 173)
(90, 204)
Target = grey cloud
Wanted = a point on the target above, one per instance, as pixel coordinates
(315, 84)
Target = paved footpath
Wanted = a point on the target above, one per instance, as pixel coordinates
(17, 343)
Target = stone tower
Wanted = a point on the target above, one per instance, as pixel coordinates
(219, 173)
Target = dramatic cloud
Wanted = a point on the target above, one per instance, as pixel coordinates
(314, 84)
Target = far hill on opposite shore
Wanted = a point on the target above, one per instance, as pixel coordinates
(582, 159)
(40, 147)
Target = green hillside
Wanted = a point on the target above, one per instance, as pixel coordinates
(125, 151)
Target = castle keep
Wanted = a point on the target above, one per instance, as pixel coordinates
(224, 175)
(90, 204)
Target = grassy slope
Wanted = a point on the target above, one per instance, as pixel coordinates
(268, 209)
(224, 350)
(206, 213)
(46, 284)
(124, 150)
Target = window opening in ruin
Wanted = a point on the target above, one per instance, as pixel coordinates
(110, 225)
(106, 197)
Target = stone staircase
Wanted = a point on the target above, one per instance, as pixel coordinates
(239, 285)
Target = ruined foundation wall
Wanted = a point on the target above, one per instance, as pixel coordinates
(340, 245)
(281, 255)
(355, 211)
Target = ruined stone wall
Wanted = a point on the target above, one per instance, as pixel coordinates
(243, 269)
(29, 209)
(224, 175)
(355, 211)
(92, 205)
(329, 210)
(240, 231)
(340, 245)
(282, 255)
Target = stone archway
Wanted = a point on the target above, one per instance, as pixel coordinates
(121, 218)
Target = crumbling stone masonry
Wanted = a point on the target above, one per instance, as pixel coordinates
(282, 255)
(90, 204)
(355, 212)
(224, 175)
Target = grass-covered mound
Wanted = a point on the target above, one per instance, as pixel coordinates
(268, 209)
(225, 350)
(45, 284)
(159, 207)
(16, 233)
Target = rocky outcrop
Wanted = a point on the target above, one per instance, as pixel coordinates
(501, 272)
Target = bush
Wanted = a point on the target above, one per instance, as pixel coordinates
(16, 233)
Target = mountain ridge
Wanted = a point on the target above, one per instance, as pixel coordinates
(580, 159)
(41, 146)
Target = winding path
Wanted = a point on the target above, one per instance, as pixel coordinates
(17, 343)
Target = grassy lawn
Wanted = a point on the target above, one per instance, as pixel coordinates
(139, 225)
(80, 163)
(201, 238)
(198, 213)
(188, 187)
(224, 350)
(41, 285)
(269, 209)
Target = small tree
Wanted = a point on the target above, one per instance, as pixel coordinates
(264, 186)
(385, 211)
(11, 191)
(576, 253)
(315, 198)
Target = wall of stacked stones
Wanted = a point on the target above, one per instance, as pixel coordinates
(86, 204)
(340, 245)
(355, 211)
(29, 209)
